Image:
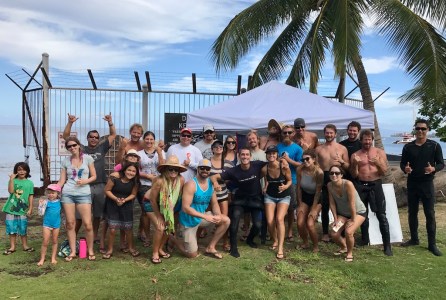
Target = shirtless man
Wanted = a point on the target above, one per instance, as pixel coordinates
(329, 154)
(305, 139)
(136, 131)
(273, 138)
(368, 165)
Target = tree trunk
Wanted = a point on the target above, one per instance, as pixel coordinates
(368, 104)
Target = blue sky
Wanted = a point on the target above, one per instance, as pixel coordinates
(161, 36)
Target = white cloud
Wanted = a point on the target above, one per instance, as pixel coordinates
(380, 65)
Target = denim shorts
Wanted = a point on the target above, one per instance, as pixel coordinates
(271, 200)
(75, 199)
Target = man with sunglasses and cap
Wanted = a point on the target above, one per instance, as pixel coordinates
(304, 138)
(421, 159)
(198, 194)
(97, 150)
(187, 154)
(205, 144)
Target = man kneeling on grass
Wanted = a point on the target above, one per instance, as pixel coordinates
(198, 193)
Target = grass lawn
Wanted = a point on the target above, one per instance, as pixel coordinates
(412, 273)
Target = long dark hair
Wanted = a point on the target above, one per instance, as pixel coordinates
(125, 166)
(74, 139)
(24, 166)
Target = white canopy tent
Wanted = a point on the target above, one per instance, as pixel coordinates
(275, 100)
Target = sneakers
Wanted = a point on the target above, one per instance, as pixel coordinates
(410, 243)
(434, 250)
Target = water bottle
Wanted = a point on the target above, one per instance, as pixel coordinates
(82, 248)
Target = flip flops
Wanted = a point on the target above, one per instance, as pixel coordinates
(280, 256)
(155, 261)
(134, 253)
(340, 252)
(107, 256)
(165, 255)
(348, 259)
(91, 257)
(8, 252)
(30, 249)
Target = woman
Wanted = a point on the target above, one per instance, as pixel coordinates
(348, 211)
(120, 191)
(150, 157)
(277, 198)
(218, 165)
(164, 194)
(310, 178)
(75, 176)
(230, 150)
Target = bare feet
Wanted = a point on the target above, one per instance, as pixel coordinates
(54, 261)
(40, 263)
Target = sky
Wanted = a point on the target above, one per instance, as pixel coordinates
(168, 36)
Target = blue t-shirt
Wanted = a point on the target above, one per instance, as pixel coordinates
(52, 214)
(200, 203)
(294, 152)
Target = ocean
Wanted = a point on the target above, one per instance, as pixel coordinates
(13, 152)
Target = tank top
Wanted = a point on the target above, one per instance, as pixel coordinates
(223, 194)
(342, 206)
(274, 183)
(307, 183)
(200, 202)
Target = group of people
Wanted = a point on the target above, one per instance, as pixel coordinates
(215, 184)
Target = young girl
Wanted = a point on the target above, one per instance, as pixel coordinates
(51, 222)
(19, 206)
(121, 189)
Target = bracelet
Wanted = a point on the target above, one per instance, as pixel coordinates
(110, 124)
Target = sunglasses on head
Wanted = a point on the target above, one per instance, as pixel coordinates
(306, 158)
(287, 132)
(204, 168)
(332, 173)
(186, 135)
(173, 170)
(299, 127)
(421, 128)
(71, 146)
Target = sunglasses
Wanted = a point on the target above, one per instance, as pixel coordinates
(173, 170)
(306, 158)
(186, 136)
(299, 127)
(421, 128)
(71, 146)
(335, 173)
(204, 168)
(232, 143)
(94, 137)
(208, 132)
(287, 132)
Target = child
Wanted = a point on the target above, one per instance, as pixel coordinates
(51, 222)
(19, 206)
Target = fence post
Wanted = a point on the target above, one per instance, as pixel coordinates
(45, 123)
(145, 107)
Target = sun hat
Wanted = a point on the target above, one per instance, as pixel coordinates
(54, 187)
(132, 152)
(208, 127)
(172, 161)
(272, 148)
(186, 130)
(274, 123)
(204, 163)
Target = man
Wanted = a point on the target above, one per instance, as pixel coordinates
(273, 137)
(305, 139)
(248, 197)
(136, 131)
(368, 165)
(329, 154)
(292, 153)
(421, 159)
(352, 143)
(198, 194)
(187, 154)
(97, 151)
(253, 144)
(205, 144)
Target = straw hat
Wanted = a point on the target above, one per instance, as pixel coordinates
(172, 161)
(274, 123)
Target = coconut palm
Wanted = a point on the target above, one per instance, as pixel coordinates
(312, 28)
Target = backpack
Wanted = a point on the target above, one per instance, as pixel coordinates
(65, 250)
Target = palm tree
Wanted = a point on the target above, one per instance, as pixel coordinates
(312, 28)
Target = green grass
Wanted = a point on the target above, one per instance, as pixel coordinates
(412, 273)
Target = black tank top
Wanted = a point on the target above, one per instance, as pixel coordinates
(274, 183)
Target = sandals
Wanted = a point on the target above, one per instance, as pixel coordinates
(134, 253)
(155, 260)
(91, 257)
(348, 259)
(30, 249)
(280, 256)
(340, 252)
(107, 255)
(8, 252)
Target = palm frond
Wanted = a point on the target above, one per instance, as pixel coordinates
(434, 10)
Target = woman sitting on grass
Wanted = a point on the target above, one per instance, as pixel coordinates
(120, 191)
(310, 178)
(348, 211)
(164, 194)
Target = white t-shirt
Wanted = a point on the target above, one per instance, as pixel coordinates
(148, 164)
(205, 148)
(189, 152)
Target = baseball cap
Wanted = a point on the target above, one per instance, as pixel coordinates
(271, 148)
(186, 130)
(54, 187)
(216, 143)
(208, 127)
(204, 163)
(299, 122)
